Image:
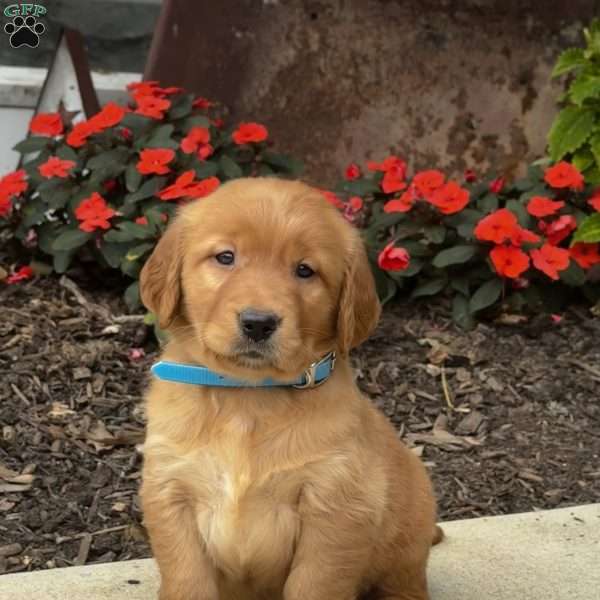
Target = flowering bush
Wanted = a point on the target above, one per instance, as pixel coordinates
(104, 189)
(574, 134)
(481, 242)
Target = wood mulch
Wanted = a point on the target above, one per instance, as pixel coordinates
(507, 418)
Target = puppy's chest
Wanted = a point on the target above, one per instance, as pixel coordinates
(246, 506)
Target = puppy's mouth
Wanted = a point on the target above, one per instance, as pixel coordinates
(254, 356)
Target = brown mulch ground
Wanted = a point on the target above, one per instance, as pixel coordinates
(523, 432)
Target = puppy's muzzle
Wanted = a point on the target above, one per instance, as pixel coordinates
(257, 325)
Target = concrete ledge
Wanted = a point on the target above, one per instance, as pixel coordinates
(551, 555)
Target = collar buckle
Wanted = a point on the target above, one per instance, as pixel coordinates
(310, 375)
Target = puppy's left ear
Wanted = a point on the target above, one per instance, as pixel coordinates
(359, 306)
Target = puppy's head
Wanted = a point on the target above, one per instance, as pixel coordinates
(260, 279)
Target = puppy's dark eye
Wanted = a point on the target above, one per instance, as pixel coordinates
(304, 271)
(225, 258)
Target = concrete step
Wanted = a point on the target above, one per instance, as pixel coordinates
(550, 555)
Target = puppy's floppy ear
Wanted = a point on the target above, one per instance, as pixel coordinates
(160, 279)
(359, 307)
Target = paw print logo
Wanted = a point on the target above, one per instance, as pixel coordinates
(25, 32)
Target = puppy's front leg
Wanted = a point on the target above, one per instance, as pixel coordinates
(185, 571)
(331, 556)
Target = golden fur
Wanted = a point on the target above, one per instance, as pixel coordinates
(274, 493)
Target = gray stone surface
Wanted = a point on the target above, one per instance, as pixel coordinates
(551, 555)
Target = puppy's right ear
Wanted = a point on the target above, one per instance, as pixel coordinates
(160, 279)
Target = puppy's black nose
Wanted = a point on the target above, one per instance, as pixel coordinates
(258, 325)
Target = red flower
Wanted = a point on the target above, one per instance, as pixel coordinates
(55, 167)
(355, 203)
(94, 213)
(144, 221)
(497, 227)
(332, 199)
(150, 106)
(509, 261)
(522, 236)
(594, 201)
(389, 163)
(427, 182)
(112, 114)
(402, 204)
(109, 185)
(393, 259)
(49, 124)
(80, 133)
(496, 185)
(13, 183)
(202, 103)
(185, 187)
(470, 176)
(450, 198)
(155, 160)
(585, 255)
(218, 123)
(564, 175)
(197, 141)
(550, 260)
(393, 179)
(539, 206)
(142, 88)
(126, 133)
(22, 274)
(558, 230)
(352, 172)
(5, 205)
(247, 133)
(556, 318)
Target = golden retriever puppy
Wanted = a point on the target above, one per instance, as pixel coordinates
(274, 492)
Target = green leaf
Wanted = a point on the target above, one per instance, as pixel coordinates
(32, 144)
(160, 137)
(117, 156)
(40, 268)
(181, 107)
(453, 256)
(138, 124)
(573, 276)
(583, 158)
(67, 153)
(570, 59)
(583, 88)
(113, 253)
(55, 193)
(460, 284)
(432, 287)
(61, 261)
(205, 169)
(289, 165)
(230, 168)
(461, 314)
(588, 231)
(70, 239)
(149, 318)
(194, 121)
(385, 286)
(138, 251)
(131, 267)
(486, 295)
(435, 233)
(148, 189)
(571, 128)
(133, 178)
(33, 212)
(520, 212)
(132, 296)
(488, 204)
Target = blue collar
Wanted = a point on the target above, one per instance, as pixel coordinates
(316, 374)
